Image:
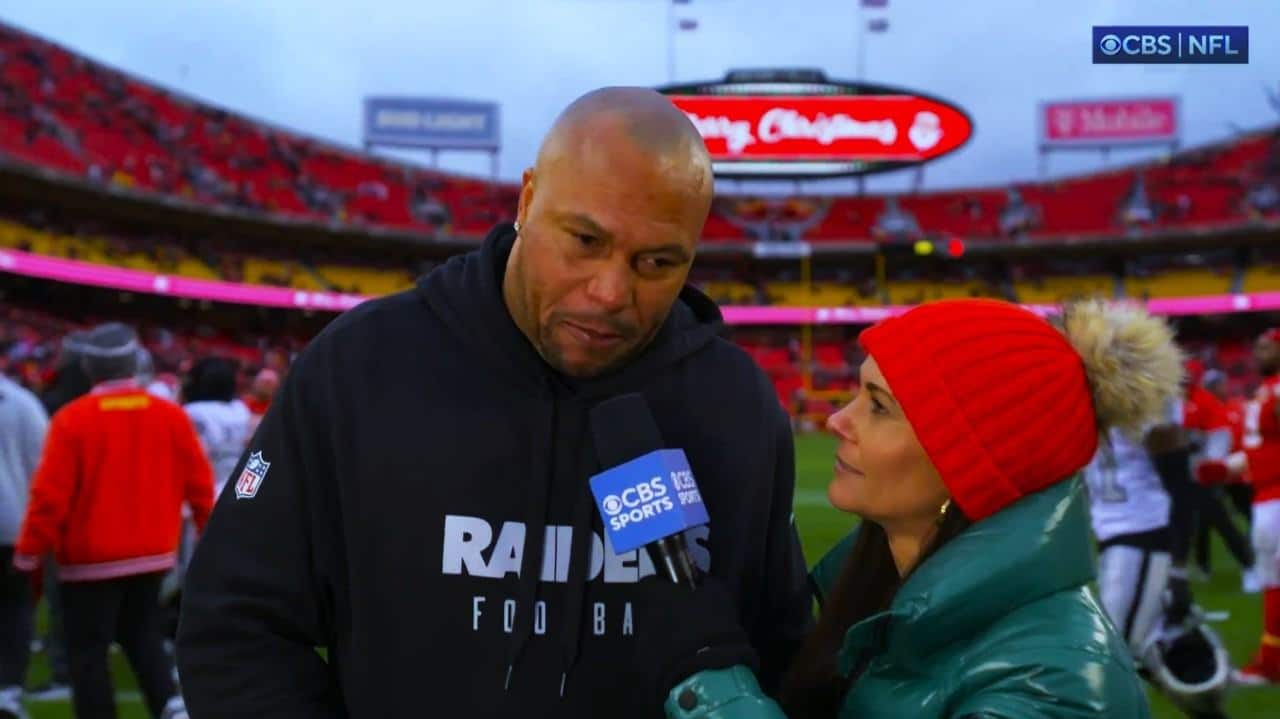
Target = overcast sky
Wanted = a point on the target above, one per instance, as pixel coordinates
(307, 64)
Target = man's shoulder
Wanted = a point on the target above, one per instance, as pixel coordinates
(80, 415)
(724, 363)
(729, 351)
(403, 306)
(371, 327)
(21, 400)
(202, 410)
(133, 400)
(374, 343)
(86, 403)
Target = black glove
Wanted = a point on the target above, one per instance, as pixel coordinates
(682, 631)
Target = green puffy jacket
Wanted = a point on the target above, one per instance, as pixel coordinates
(998, 623)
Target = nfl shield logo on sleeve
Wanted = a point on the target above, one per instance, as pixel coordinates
(255, 470)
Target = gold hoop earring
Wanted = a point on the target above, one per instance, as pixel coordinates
(942, 511)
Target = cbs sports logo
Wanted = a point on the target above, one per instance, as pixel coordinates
(636, 504)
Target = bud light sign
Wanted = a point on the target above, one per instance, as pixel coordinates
(431, 123)
(648, 498)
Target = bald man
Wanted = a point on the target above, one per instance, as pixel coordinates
(415, 502)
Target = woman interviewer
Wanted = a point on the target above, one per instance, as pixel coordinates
(963, 594)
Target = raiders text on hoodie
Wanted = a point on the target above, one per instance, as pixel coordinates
(416, 503)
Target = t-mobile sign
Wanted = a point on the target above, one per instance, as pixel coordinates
(1096, 123)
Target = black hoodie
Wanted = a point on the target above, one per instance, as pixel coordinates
(419, 459)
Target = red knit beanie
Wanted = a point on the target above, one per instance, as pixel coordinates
(997, 396)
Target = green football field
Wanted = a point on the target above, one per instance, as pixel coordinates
(820, 527)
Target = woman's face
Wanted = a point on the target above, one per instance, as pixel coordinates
(881, 471)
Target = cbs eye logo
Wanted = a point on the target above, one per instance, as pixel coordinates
(1109, 44)
(612, 504)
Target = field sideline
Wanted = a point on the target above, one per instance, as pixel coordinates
(820, 527)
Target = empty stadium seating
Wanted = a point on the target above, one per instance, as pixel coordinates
(65, 112)
(364, 280)
(817, 294)
(1262, 279)
(917, 291)
(166, 259)
(1178, 283)
(1049, 290)
(172, 259)
(70, 114)
(730, 292)
(354, 277)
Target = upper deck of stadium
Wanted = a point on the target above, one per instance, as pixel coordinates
(62, 111)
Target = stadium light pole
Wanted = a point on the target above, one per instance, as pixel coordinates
(862, 43)
(671, 41)
(676, 25)
(866, 27)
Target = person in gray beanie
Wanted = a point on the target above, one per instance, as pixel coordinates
(109, 352)
(107, 500)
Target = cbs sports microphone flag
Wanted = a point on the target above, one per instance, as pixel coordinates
(648, 498)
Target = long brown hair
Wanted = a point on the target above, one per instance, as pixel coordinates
(867, 584)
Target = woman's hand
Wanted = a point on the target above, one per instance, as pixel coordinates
(681, 631)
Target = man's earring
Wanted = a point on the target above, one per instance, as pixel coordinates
(516, 224)
(942, 512)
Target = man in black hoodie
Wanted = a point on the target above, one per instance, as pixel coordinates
(416, 503)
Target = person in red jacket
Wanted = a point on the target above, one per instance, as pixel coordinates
(106, 500)
(1262, 454)
(1260, 463)
(258, 399)
(1240, 492)
(1206, 421)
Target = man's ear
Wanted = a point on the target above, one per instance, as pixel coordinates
(526, 195)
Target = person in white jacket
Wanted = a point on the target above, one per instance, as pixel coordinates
(23, 424)
(222, 420)
(223, 423)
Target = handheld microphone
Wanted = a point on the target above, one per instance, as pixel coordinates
(646, 495)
